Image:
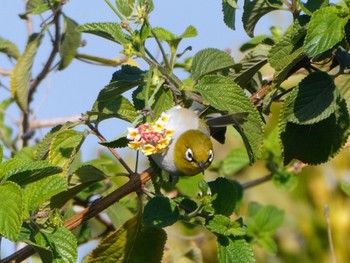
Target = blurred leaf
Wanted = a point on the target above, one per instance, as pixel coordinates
(21, 73)
(125, 7)
(285, 180)
(223, 94)
(62, 243)
(131, 243)
(209, 61)
(64, 148)
(120, 108)
(5, 131)
(251, 64)
(229, 9)
(227, 195)
(254, 10)
(110, 31)
(325, 30)
(42, 190)
(36, 7)
(1, 153)
(314, 100)
(9, 48)
(236, 160)
(346, 188)
(160, 212)
(234, 250)
(118, 214)
(264, 219)
(23, 171)
(70, 42)
(332, 132)
(11, 210)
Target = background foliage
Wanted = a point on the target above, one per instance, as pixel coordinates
(293, 89)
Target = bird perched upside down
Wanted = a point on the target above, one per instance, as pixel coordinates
(190, 151)
(179, 142)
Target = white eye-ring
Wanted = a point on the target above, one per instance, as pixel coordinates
(189, 155)
(211, 156)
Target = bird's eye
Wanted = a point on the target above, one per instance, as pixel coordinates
(211, 156)
(189, 155)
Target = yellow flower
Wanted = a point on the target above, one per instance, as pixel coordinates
(132, 133)
(135, 145)
(148, 149)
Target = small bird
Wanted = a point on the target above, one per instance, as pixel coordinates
(190, 150)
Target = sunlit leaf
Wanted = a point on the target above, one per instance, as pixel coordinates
(209, 61)
(69, 43)
(131, 243)
(235, 250)
(11, 207)
(325, 30)
(9, 48)
(21, 73)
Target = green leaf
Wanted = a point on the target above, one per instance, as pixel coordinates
(42, 150)
(120, 142)
(312, 101)
(42, 190)
(208, 61)
(312, 5)
(1, 153)
(122, 80)
(326, 29)
(229, 9)
(120, 108)
(264, 219)
(163, 101)
(11, 210)
(131, 243)
(36, 7)
(345, 187)
(219, 224)
(285, 180)
(332, 132)
(118, 214)
(254, 10)
(234, 250)
(255, 41)
(236, 160)
(62, 243)
(70, 42)
(82, 178)
(251, 64)
(23, 171)
(225, 95)
(289, 49)
(227, 195)
(6, 131)
(160, 212)
(9, 48)
(125, 7)
(107, 30)
(64, 147)
(21, 73)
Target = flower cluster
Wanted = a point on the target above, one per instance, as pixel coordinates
(150, 138)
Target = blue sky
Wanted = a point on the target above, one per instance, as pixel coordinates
(74, 90)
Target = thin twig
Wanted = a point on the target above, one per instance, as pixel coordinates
(256, 182)
(113, 151)
(37, 124)
(329, 234)
(5, 72)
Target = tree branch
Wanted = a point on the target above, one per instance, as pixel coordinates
(136, 183)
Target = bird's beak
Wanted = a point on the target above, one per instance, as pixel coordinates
(201, 165)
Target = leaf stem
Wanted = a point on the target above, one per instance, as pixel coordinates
(258, 181)
(114, 10)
